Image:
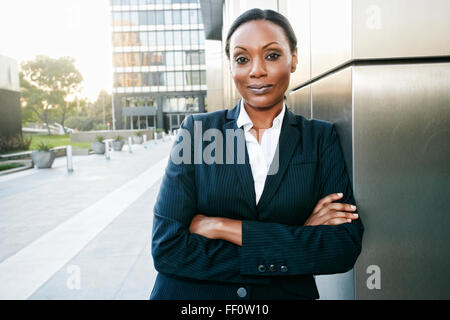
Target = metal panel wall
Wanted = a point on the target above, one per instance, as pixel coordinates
(299, 102)
(298, 14)
(402, 178)
(401, 28)
(332, 101)
(331, 34)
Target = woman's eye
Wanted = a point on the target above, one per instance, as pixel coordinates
(241, 60)
(273, 56)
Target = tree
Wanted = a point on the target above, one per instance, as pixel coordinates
(101, 108)
(46, 83)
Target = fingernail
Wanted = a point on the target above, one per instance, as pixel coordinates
(340, 194)
(355, 214)
(353, 207)
(349, 220)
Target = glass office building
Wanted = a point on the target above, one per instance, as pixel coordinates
(159, 62)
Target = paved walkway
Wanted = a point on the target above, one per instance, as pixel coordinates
(84, 235)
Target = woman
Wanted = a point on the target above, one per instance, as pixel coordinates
(259, 228)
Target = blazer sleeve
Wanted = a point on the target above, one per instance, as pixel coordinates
(175, 250)
(307, 249)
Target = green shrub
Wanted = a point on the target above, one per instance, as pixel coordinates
(43, 146)
(139, 133)
(100, 138)
(8, 166)
(118, 138)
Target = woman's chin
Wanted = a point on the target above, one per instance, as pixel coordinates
(260, 102)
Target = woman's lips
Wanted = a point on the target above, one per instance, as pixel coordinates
(260, 89)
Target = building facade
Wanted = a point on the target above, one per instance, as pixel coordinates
(380, 71)
(10, 112)
(159, 62)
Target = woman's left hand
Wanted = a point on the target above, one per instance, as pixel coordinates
(204, 226)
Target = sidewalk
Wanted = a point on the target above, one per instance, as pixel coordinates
(84, 235)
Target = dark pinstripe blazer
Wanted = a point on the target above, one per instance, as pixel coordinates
(278, 256)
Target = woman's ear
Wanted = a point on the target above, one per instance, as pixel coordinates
(294, 61)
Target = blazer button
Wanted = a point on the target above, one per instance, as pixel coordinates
(283, 269)
(272, 268)
(242, 292)
(262, 268)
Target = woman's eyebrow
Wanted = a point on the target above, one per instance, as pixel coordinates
(238, 47)
(273, 42)
(265, 46)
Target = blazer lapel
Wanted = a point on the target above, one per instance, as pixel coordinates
(288, 141)
(243, 171)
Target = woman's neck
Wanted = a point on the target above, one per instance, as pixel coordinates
(262, 118)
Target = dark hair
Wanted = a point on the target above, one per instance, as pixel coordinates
(258, 14)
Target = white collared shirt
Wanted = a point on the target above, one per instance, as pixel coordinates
(260, 155)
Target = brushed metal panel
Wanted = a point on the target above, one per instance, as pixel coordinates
(331, 33)
(298, 14)
(332, 101)
(299, 102)
(402, 178)
(401, 28)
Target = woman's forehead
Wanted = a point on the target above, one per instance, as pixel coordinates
(258, 33)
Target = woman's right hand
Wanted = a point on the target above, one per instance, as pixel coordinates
(326, 212)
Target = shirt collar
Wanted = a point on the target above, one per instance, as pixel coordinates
(245, 121)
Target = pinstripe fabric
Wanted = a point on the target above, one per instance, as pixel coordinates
(311, 166)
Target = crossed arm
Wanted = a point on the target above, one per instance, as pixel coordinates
(211, 248)
(325, 213)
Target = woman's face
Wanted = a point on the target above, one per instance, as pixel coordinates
(261, 62)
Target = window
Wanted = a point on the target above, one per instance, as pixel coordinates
(118, 60)
(177, 38)
(170, 60)
(143, 18)
(143, 38)
(203, 77)
(176, 15)
(151, 18)
(185, 17)
(187, 78)
(134, 18)
(193, 16)
(169, 38)
(115, 2)
(196, 77)
(160, 38)
(202, 57)
(116, 18)
(152, 38)
(186, 35)
(178, 58)
(124, 39)
(192, 57)
(159, 17)
(194, 37)
(132, 59)
(171, 79)
(168, 17)
(156, 58)
(178, 78)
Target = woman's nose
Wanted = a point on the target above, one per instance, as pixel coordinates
(258, 69)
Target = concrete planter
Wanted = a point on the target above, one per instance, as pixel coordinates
(98, 147)
(43, 159)
(118, 145)
(138, 139)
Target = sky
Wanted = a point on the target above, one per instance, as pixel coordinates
(76, 28)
